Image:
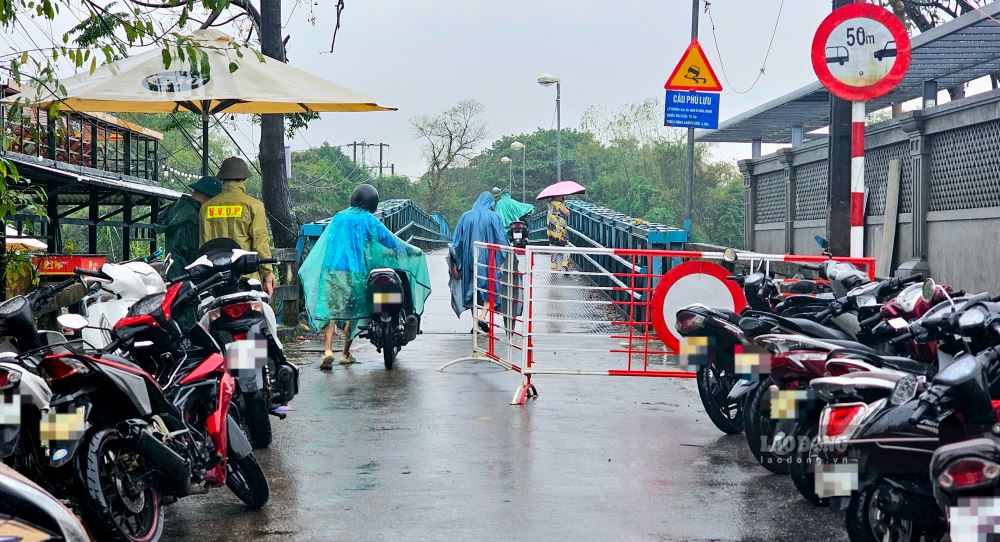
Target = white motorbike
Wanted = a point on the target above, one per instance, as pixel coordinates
(114, 289)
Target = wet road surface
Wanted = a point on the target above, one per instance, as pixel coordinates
(415, 454)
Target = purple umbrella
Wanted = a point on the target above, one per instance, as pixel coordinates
(563, 188)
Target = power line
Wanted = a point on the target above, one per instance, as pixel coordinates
(718, 50)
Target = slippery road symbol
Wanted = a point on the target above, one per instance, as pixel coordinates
(694, 74)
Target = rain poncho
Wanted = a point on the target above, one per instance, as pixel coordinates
(334, 276)
(479, 224)
(511, 210)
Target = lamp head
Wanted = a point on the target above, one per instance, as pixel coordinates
(517, 145)
(547, 80)
(504, 160)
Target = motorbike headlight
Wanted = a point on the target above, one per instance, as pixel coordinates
(867, 301)
(905, 389)
(972, 318)
(689, 322)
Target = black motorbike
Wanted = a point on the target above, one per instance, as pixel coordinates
(394, 322)
(238, 311)
(892, 440)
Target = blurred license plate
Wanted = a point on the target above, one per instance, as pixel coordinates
(518, 235)
(387, 298)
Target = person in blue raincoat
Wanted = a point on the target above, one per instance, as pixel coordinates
(481, 223)
(334, 275)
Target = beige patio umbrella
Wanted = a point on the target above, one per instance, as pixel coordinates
(22, 243)
(141, 84)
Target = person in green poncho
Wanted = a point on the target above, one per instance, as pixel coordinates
(511, 210)
(334, 275)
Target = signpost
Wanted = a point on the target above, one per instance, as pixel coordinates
(692, 101)
(692, 110)
(860, 52)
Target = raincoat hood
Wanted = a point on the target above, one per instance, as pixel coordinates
(334, 275)
(511, 210)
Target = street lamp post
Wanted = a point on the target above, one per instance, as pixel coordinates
(518, 146)
(510, 172)
(548, 80)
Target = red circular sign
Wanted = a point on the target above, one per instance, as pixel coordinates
(696, 281)
(861, 52)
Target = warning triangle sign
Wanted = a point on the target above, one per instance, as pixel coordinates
(693, 72)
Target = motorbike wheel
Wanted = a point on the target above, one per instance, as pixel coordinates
(804, 462)
(256, 420)
(246, 480)
(714, 384)
(111, 506)
(388, 332)
(759, 429)
(866, 522)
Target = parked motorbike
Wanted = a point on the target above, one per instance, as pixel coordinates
(114, 288)
(795, 361)
(722, 392)
(237, 313)
(892, 442)
(28, 512)
(18, 383)
(132, 445)
(394, 323)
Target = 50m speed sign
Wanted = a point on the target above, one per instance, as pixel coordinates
(861, 52)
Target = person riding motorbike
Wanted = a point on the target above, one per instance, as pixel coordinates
(335, 273)
(238, 216)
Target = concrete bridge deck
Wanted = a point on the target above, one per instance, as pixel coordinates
(414, 454)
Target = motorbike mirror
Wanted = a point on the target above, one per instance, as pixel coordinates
(927, 291)
(822, 242)
(729, 255)
(72, 321)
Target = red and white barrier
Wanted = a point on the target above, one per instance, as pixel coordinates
(599, 322)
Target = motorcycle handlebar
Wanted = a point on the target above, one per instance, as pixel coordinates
(88, 273)
(870, 322)
(919, 413)
(902, 338)
(267, 261)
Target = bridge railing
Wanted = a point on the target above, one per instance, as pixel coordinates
(594, 226)
(411, 223)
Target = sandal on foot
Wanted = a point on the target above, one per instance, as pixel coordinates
(327, 361)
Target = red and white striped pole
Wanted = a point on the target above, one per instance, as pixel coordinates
(857, 179)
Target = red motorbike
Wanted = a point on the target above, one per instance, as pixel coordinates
(152, 423)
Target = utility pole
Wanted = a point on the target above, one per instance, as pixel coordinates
(689, 174)
(354, 151)
(838, 210)
(380, 147)
(392, 169)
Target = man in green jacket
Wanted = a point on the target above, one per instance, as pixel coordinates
(236, 215)
(181, 224)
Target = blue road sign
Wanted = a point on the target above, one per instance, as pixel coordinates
(685, 109)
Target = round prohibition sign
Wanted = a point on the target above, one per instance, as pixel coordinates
(861, 52)
(696, 281)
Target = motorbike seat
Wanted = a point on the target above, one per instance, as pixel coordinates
(816, 331)
(730, 316)
(899, 363)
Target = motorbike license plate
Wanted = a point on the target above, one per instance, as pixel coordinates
(387, 298)
(518, 235)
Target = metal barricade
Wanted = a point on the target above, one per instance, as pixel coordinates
(586, 319)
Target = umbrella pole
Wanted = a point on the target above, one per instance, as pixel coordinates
(204, 143)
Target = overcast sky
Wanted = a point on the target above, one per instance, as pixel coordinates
(424, 57)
